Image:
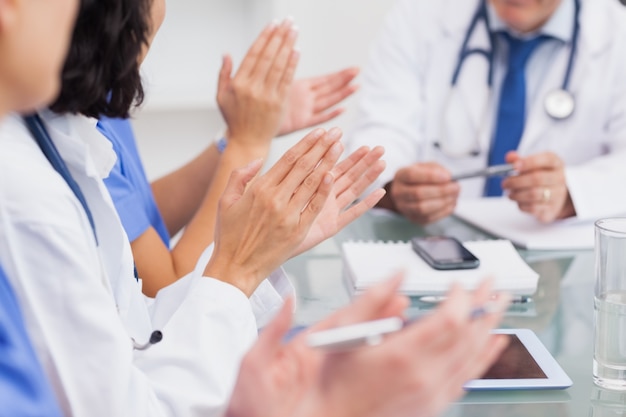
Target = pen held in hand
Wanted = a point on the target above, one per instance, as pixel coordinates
(371, 333)
(492, 171)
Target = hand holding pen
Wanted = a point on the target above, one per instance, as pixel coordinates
(415, 371)
(371, 333)
(503, 170)
(425, 364)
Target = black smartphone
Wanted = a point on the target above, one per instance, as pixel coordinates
(444, 252)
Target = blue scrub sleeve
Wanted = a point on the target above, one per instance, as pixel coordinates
(24, 389)
(128, 202)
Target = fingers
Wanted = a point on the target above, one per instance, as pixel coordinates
(290, 71)
(225, 73)
(356, 173)
(320, 118)
(270, 64)
(326, 101)
(321, 173)
(279, 67)
(327, 84)
(544, 160)
(540, 189)
(316, 203)
(427, 210)
(424, 193)
(240, 178)
(252, 56)
(424, 173)
(305, 162)
(285, 164)
(360, 208)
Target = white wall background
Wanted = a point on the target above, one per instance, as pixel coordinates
(179, 116)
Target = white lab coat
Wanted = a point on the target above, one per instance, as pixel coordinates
(81, 303)
(408, 79)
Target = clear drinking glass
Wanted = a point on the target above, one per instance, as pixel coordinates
(609, 357)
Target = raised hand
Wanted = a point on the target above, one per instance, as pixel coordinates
(253, 102)
(260, 222)
(311, 99)
(352, 177)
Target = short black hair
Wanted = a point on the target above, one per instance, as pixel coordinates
(101, 73)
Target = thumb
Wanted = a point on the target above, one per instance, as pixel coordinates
(225, 72)
(240, 178)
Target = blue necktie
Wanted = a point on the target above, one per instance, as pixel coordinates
(512, 107)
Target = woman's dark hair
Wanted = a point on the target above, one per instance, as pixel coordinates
(101, 73)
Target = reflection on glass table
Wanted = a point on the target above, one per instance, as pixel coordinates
(561, 311)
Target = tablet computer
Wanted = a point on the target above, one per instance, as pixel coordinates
(524, 364)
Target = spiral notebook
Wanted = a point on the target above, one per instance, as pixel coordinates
(367, 263)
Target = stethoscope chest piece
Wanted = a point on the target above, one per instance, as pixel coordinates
(560, 104)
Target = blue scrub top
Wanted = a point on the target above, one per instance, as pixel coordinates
(128, 184)
(24, 389)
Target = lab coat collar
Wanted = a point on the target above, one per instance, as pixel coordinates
(80, 143)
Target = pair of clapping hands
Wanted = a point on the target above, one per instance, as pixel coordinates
(414, 372)
(302, 200)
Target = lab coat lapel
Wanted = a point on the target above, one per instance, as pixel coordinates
(593, 41)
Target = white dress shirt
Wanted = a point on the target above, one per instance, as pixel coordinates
(407, 83)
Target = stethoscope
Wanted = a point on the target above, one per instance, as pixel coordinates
(559, 104)
(42, 137)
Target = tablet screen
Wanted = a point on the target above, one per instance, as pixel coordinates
(515, 362)
(524, 364)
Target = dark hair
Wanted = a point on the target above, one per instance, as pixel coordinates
(101, 73)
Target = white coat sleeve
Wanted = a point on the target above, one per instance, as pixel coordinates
(596, 186)
(268, 298)
(391, 107)
(84, 347)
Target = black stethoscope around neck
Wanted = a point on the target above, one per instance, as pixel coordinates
(39, 132)
(559, 104)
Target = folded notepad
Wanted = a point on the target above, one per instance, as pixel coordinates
(367, 263)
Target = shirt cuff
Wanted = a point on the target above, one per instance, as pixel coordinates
(270, 296)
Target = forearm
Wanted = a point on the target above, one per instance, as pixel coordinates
(179, 194)
(200, 231)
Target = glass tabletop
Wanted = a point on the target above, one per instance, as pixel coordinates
(560, 313)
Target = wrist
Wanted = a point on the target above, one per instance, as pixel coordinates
(236, 275)
(246, 148)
